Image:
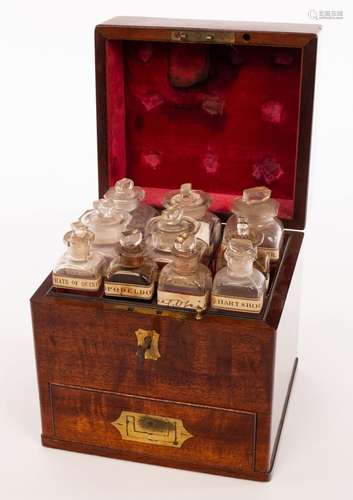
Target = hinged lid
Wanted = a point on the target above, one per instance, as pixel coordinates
(225, 106)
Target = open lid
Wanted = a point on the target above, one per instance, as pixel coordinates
(225, 106)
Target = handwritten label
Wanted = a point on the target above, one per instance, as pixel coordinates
(184, 301)
(237, 303)
(76, 283)
(124, 290)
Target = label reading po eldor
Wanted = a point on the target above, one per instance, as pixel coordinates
(273, 253)
(125, 290)
(76, 283)
(237, 303)
(184, 301)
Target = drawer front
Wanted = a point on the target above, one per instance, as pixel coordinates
(206, 362)
(163, 432)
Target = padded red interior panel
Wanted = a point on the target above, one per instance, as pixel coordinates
(223, 118)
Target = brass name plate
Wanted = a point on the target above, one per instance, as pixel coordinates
(76, 283)
(198, 36)
(141, 428)
(237, 304)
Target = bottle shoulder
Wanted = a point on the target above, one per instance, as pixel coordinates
(95, 265)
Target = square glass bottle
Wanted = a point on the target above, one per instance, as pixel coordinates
(132, 274)
(80, 269)
(238, 286)
(185, 282)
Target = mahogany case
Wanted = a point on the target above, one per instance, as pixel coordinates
(227, 106)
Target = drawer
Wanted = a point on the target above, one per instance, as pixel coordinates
(206, 362)
(159, 431)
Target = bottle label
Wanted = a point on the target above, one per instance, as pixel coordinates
(182, 300)
(237, 303)
(126, 290)
(273, 253)
(76, 283)
(204, 232)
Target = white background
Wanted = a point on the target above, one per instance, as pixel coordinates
(49, 175)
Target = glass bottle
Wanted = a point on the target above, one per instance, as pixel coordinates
(161, 232)
(132, 273)
(195, 204)
(128, 198)
(238, 286)
(185, 282)
(80, 269)
(261, 212)
(107, 225)
(238, 227)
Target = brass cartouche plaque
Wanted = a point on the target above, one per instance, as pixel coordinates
(150, 429)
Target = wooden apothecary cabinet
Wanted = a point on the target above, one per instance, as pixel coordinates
(209, 395)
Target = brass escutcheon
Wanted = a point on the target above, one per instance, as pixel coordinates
(147, 344)
(151, 429)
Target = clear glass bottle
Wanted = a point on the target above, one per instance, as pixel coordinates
(128, 198)
(261, 212)
(238, 227)
(185, 282)
(80, 269)
(238, 286)
(107, 225)
(195, 204)
(132, 274)
(161, 232)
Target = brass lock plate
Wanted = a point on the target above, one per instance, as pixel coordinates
(152, 352)
(150, 429)
(198, 36)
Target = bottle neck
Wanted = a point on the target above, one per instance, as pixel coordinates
(240, 267)
(79, 251)
(186, 264)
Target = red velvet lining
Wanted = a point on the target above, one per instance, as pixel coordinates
(234, 128)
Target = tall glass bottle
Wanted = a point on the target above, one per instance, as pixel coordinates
(185, 282)
(80, 269)
(261, 212)
(107, 225)
(195, 204)
(129, 198)
(132, 274)
(238, 286)
(161, 233)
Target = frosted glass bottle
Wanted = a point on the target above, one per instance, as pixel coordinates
(195, 204)
(239, 286)
(107, 225)
(162, 231)
(80, 269)
(129, 198)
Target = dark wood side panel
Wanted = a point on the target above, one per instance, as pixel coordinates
(221, 439)
(308, 71)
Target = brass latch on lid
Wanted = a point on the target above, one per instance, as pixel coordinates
(197, 36)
